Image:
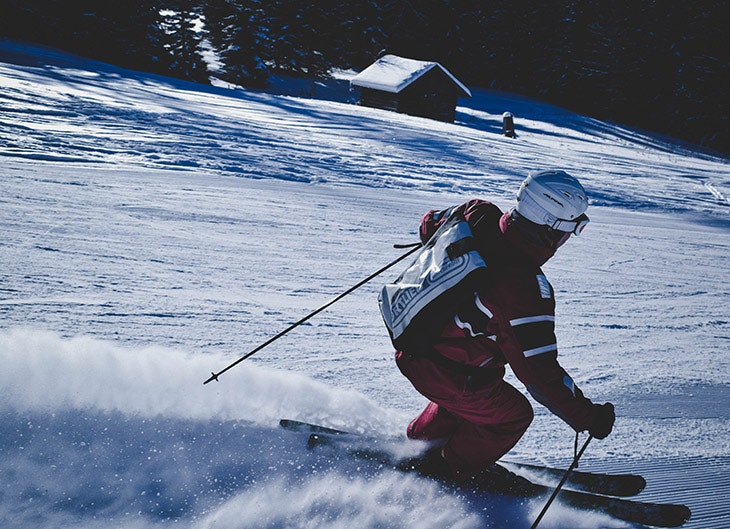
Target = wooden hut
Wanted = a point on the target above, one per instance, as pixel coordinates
(418, 88)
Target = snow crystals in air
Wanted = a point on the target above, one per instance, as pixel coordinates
(156, 230)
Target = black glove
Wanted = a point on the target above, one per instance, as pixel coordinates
(602, 421)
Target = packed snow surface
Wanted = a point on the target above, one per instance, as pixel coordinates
(154, 231)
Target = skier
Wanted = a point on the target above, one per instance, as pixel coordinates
(510, 319)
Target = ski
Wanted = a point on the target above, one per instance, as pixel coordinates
(599, 483)
(644, 513)
(623, 485)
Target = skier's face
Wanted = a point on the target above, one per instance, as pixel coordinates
(558, 238)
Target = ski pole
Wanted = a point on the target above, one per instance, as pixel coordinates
(415, 246)
(562, 481)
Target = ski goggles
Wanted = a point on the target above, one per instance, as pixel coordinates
(561, 230)
(553, 234)
(574, 227)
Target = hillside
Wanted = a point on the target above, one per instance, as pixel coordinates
(155, 230)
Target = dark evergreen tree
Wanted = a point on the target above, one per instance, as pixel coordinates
(124, 33)
(239, 36)
(656, 65)
(183, 30)
(128, 34)
(352, 34)
(51, 22)
(295, 40)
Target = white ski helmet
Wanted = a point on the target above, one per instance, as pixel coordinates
(553, 199)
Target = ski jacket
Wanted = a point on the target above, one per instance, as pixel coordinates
(510, 319)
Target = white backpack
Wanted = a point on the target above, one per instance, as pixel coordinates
(425, 296)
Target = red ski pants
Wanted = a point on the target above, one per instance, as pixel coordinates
(481, 423)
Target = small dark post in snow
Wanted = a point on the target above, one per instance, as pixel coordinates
(508, 125)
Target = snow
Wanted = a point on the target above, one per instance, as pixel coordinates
(154, 231)
(392, 74)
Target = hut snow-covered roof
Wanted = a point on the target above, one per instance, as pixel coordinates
(392, 74)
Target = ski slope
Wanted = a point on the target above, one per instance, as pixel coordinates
(156, 230)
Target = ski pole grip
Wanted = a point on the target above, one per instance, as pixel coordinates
(404, 246)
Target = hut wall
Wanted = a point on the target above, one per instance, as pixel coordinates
(379, 99)
(432, 95)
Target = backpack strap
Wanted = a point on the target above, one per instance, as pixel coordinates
(460, 247)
